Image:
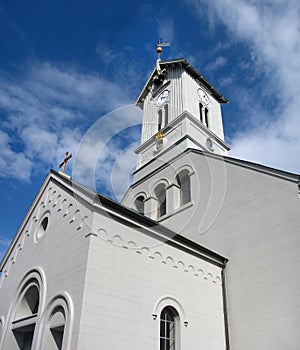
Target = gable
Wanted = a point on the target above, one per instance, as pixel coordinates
(54, 217)
(188, 67)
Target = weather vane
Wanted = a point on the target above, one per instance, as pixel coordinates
(159, 49)
(63, 164)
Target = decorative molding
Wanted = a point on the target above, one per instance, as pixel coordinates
(156, 256)
(36, 277)
(49, 203)
(169, 300)
(186, 167)
(64, 301)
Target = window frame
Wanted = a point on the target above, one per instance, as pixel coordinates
(183, 179)
(61, 302)
(140, 204)
(169, 328)
(161, 197)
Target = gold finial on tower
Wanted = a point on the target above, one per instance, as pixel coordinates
(159, 49)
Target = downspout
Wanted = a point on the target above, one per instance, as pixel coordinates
(225, 309)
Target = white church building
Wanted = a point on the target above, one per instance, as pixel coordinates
(202, 253)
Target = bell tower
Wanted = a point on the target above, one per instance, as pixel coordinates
(178, 102)
(181, 111)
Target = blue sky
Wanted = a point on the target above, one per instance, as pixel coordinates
(66, 64)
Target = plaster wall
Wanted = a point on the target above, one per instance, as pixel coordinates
(60, 255)
(132, 276)
(252, 218)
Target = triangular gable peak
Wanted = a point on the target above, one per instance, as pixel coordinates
(194, 73)
(55, 204)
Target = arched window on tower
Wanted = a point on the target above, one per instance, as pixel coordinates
(166, 116)
(160, 119)
(139, 204)
(206, 116)
(201, 112)
(184, 184)
(169, 329)
(160, 193)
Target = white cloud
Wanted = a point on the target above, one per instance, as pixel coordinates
(123, 167)
(220, 61)
(271, 31)
(46, 111)
(13, 164)
(100, 149)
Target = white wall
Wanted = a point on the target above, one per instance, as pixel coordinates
(129, 274)
(115, 278)
(60, 254)
(251, 218)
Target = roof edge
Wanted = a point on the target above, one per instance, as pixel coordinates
(117, 209)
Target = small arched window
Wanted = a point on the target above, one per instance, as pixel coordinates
(184, 184)
(166, 119)
(159, 119)
(160, 193)
(206, 116)
(168, 329)
(139, 204)
(201, 112)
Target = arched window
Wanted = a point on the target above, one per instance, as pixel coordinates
(160, 193)
(206, 116)
(159, 119)
(201, 112)
(139, 204)
(166, 119)
(163, 117)
(184, 184)
(56, 324)
(168, 329)
(23, 324)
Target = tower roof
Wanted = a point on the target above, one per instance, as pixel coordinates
(189, 68)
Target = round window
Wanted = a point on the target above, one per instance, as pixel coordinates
(210, 144)
(42, 228)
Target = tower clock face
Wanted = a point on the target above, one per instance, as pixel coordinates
(162, 98)
(203, 96)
